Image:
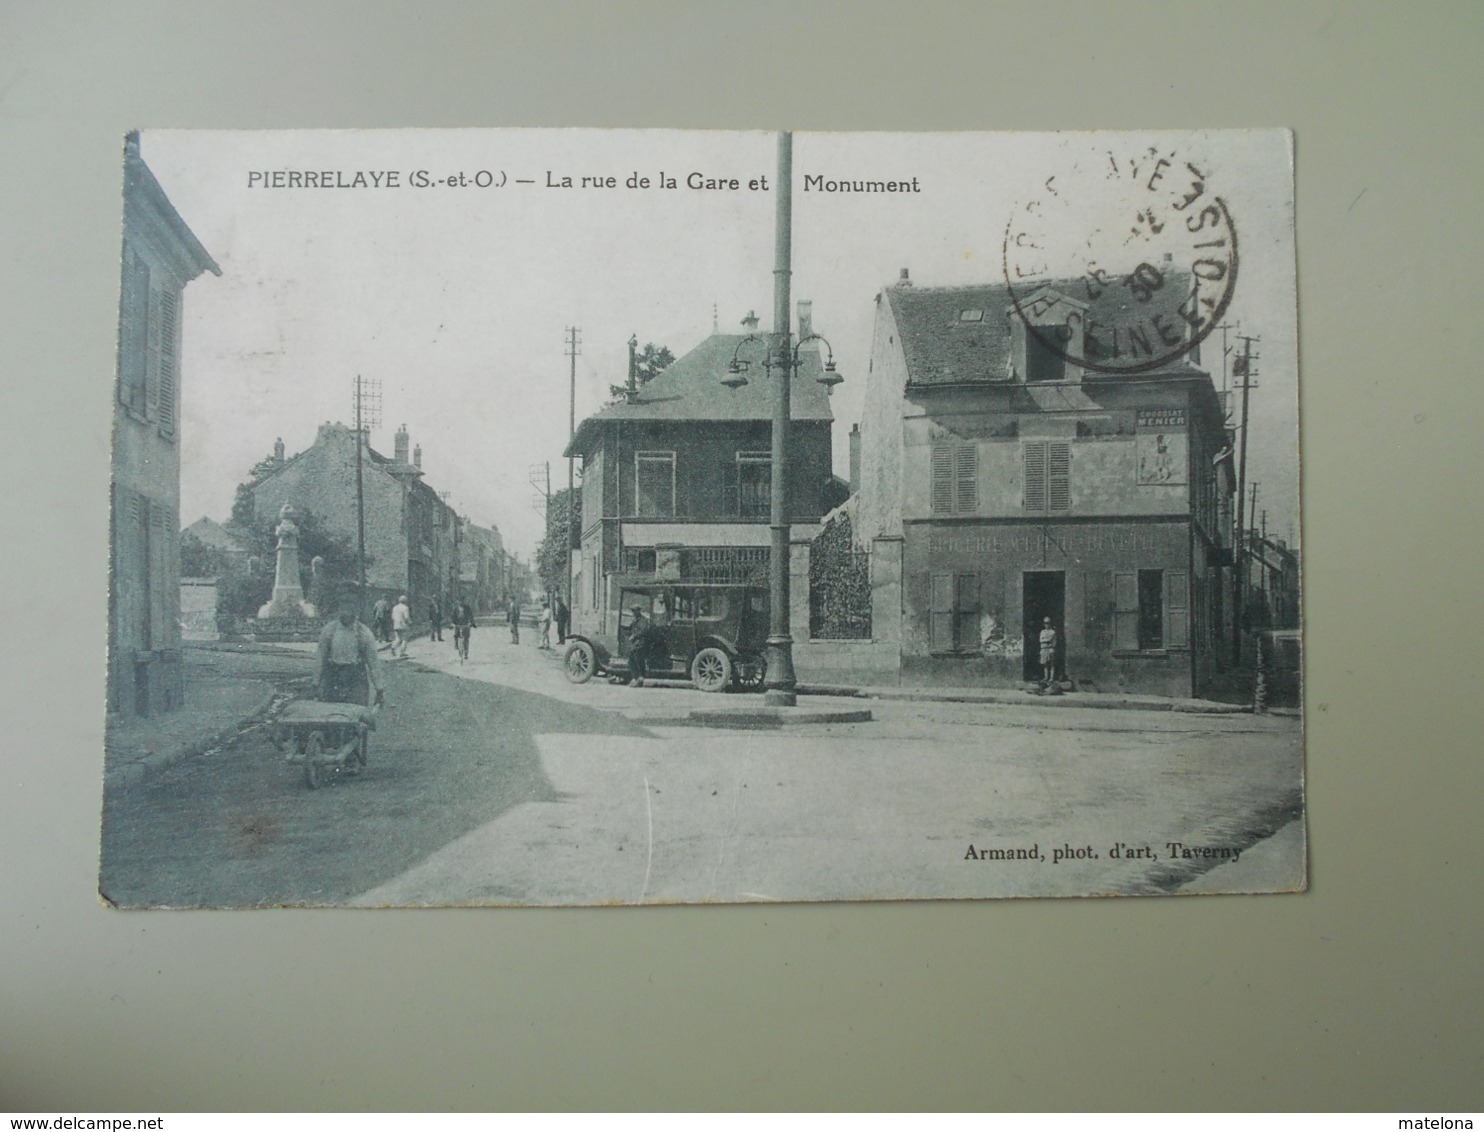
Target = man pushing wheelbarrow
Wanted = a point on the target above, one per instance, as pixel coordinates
(332, 732)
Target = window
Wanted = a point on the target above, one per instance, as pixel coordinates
(655, 479)
(1151, 610)
(974, 315)
(954, 615)
(1048, 475)
(638, 560)
(754, 485)
(1042, 363)
(955, 472)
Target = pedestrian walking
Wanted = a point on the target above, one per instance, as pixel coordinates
(381, 620)
(544, 623)
(1047, 643)
(463, 625)
(513, 617)
(435, 620)
(401, 626)
(348, 665)
(563, 619)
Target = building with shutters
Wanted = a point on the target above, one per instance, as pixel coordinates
(1017, 486)
(413, 537)
(160, 256)
(677, 477)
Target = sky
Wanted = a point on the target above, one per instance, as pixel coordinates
(456, 296)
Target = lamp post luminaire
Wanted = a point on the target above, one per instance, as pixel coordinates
(782, 359)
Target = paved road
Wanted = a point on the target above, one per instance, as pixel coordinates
(499, 782)
(238, 827)
(886, 809)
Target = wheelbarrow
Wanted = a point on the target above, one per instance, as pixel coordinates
(325, 737)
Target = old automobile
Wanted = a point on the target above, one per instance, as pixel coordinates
(712, 635)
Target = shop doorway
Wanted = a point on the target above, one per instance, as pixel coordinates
(1043, 594)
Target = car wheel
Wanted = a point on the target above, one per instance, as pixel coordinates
(711, 670)
(580, 662)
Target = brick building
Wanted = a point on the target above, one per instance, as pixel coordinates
(160, 256)
(1014, 485)
(412, 535)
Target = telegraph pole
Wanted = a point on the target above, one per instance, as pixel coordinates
(1241, 367)
(368, 414)
(574, 343)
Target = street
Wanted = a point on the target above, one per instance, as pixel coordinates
(498, 782)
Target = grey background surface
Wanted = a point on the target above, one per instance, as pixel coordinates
(1364, 993)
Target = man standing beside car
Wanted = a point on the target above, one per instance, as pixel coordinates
(644, 642)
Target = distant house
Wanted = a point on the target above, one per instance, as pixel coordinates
(481, 555)
(1017, 485)
(677, 476)
(160, 256)
(411, 533)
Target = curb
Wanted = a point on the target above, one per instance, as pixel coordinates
(767, 719)
(142, 769)
(1022, 699)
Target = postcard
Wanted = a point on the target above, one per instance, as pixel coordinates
(623, 517)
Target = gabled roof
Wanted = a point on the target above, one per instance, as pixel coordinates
(690, 389)
(942, 348)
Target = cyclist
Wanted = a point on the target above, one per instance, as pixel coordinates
(463, 625)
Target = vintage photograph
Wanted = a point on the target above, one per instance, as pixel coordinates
(587, 517)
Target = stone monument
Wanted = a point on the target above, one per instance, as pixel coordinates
(288, 595)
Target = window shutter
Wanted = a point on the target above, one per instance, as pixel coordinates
(942, 487)
(165, 387)
(152, 352)
(940, 629)
(1177, 606)
(966, 476)
(1059, 468)
(1125, 611)
(1035, 475)
(133, 338)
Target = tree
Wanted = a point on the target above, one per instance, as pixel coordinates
(651, 360)
(244, 595)
(197, 560)
(551, 555)
(648, 364)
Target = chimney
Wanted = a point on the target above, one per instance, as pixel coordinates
(855, 458)
(806, 318)
(904, 280)
(750, 322)
(631, 387)
(417, 456)
(399, 451)
(278, 451)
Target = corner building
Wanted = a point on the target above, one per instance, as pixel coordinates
(1024, 485)
(160, 256)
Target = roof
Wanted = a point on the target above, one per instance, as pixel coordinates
(690, 389)
(141, 187)
(942, 348)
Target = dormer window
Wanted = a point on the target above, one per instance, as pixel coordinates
(1048, 341)
(972, 315)
(1042, 363)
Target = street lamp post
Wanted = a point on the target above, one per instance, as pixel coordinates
(782, 359)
